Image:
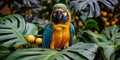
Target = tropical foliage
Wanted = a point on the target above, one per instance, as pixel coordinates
(13, 29)
(96, 23)
(75, 52)
(90, 8)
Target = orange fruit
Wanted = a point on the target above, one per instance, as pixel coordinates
(95, 31)
(113, 23)
(76, 17)
(28, 12)
(103, 13)
(110, 15)
(80, 24)
(30, 38)
(38, 41)
(107, 23)
(116, 20)
(104, 20)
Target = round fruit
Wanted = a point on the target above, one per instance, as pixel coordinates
(110, 15)
(96, 31)
(80, 24)
(76, 17)
(38, 41)
(113, 23)
(107, 24)
(30, 38)
(103, 13)
(116, 20)
(104, 20)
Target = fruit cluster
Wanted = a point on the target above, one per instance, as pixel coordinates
(33, 39)
(110, 17)
(77, 22)
(34, 42)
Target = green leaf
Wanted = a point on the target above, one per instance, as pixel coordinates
(31, 29)
(83, 15)
(92, 5)
(108, 41)
(12, 30)
(91, 23)
(79, 51)
(111, 4)
(108, 51)
(116, 54)
(4, 52)
(94, 35)
(87, 50)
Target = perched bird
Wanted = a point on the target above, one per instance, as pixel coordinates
(59, 33)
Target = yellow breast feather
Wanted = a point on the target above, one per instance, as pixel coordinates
(61, 35)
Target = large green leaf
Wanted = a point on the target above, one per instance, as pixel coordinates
(13, 29)
(112, 34)
(79, 51)
(92, 5)
(107, 41)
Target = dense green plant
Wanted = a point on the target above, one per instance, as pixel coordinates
(79, 51)
(13, 30)
(108, 41)
(89, 8)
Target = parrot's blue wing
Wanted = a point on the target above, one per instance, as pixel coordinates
(47, 36)
(72, 33)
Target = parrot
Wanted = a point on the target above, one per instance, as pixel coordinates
(59, 32)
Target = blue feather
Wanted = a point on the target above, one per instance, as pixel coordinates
(47, 36)
(72, 33)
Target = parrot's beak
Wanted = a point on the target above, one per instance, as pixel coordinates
(59, 15)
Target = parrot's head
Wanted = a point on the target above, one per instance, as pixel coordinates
(60, 14)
